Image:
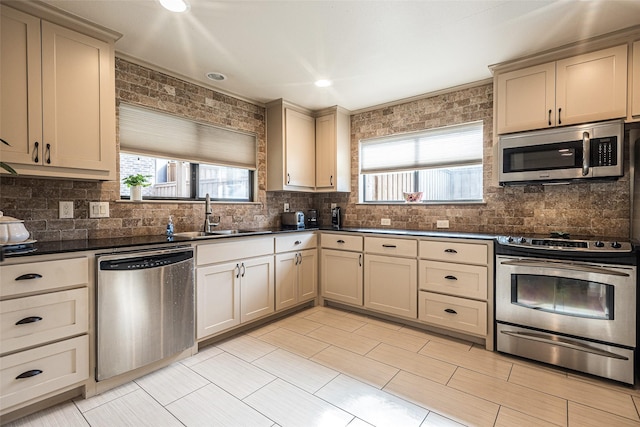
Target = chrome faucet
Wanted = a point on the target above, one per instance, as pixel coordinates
(208, 224)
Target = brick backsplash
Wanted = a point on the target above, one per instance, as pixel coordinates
(591, 209)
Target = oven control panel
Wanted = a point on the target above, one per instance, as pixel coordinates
(559, 243)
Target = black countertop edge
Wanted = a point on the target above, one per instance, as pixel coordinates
(62, 246)
(416, 233)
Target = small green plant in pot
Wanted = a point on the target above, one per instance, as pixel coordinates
(136, 182)
(5, 166)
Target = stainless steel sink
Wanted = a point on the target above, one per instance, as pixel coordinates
(204, 235)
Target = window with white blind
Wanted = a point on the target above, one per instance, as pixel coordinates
(184, 159)
(445, 164)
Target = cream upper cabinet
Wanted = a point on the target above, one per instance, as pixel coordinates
(333, 150)
(580, 89)
(635, 96)
(58, 100)
(290, 148)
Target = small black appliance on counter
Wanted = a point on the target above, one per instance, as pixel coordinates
(292, 220)
(312, 218)
(336, 221)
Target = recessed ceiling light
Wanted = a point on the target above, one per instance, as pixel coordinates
(323, 83)
(175, 5)
(216, 76)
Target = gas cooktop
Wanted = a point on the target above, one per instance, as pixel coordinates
(564, 242)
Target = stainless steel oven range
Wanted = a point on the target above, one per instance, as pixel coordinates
(567, 302)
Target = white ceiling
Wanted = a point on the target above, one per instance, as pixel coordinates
(374, 51)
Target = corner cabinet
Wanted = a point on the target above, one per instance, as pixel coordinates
(341, 262)
(579, 89)
(57, 107)
(296, 269)
(307, 151)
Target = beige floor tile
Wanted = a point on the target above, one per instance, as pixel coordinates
(212, 406)
(134, 409)
(453, 404)
(432, 336)
(343, 339)
(587, 394)
(357, 422)
(300, 325)
(337, 320)
(370, 404)
(171, 383)
(294, 342)
(299, 371)
(427, 367)
(476, 361)
(399, 339)
(436, 420)
(375, 321)
(584, 416)
(202, 355)
(523, 399)
(507, 417)
(93, 402)
(602, 382)
(362, 368)
(246, 347)
(65, 415)
(259, 331)
(288, 405)
(233, 375)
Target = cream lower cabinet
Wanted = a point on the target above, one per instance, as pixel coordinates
(341, 268)
(44, 318)
(296, 269)
(231, 293)
(391, 280)
(57, 105)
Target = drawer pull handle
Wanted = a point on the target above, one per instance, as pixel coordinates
(297, 242)
(451, 251)
(388, 246)
(450, 310)
(36, 145)
(29, 374)
(26, 320)
(451, 277)
(340, 241)
(29, 276)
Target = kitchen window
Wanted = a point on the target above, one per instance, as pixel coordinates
(445, 164)
(184, 159)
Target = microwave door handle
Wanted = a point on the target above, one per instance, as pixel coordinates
(586, 153)
(564, 266)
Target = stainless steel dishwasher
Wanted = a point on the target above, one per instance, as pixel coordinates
(145, 308)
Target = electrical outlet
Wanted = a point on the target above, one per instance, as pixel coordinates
(98, 209)
(286, 207)
(442, 223)
(66, 210)
(334, 205)
(385, 221)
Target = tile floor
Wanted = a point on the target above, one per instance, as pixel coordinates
(328, 367)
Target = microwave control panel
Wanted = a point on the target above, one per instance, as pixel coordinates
(604, 151)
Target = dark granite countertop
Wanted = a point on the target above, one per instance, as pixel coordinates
(416, 233)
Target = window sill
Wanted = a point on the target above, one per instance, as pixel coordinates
(466, 202)
(195, 202)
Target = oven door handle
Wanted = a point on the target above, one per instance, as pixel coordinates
(573, 267)
(564, 343)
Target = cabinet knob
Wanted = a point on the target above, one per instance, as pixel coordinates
(340, 241)
(297, 242)
(26, 320)
(451, 277)
(450, 311)
(451, 251)
(29, 276)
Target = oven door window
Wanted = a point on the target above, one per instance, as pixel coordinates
(561, 295)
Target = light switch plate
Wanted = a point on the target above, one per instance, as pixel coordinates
(66, 210)
(98, 209)
(385, 221)
(442, 223)
(286, 207)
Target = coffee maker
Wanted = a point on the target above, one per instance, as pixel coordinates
(312, 218)
(336, 221)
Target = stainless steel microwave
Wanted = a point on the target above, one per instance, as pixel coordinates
(562, 154)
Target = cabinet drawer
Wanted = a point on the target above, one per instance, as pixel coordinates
(465, 253)
(296, 242)
(453, 313)
(61, 314)
(242, 248)
(469, 281)
(386, 246)
(61, 364)
(29, 278)
(342, 241)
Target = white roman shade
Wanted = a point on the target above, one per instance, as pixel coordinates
(456, 145)
(152, 133)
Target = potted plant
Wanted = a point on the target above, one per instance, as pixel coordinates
(5, 166)
(135, 183)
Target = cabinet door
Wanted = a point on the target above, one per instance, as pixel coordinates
(217, 298)
(341, 276)
(326, 152)
(300, 150)
(391, 285)
(592, 86)
(286, 280)
(635, 100)
(256, 288)
(526, 99)
(78, 100)
(307, 275)
(20, 102)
